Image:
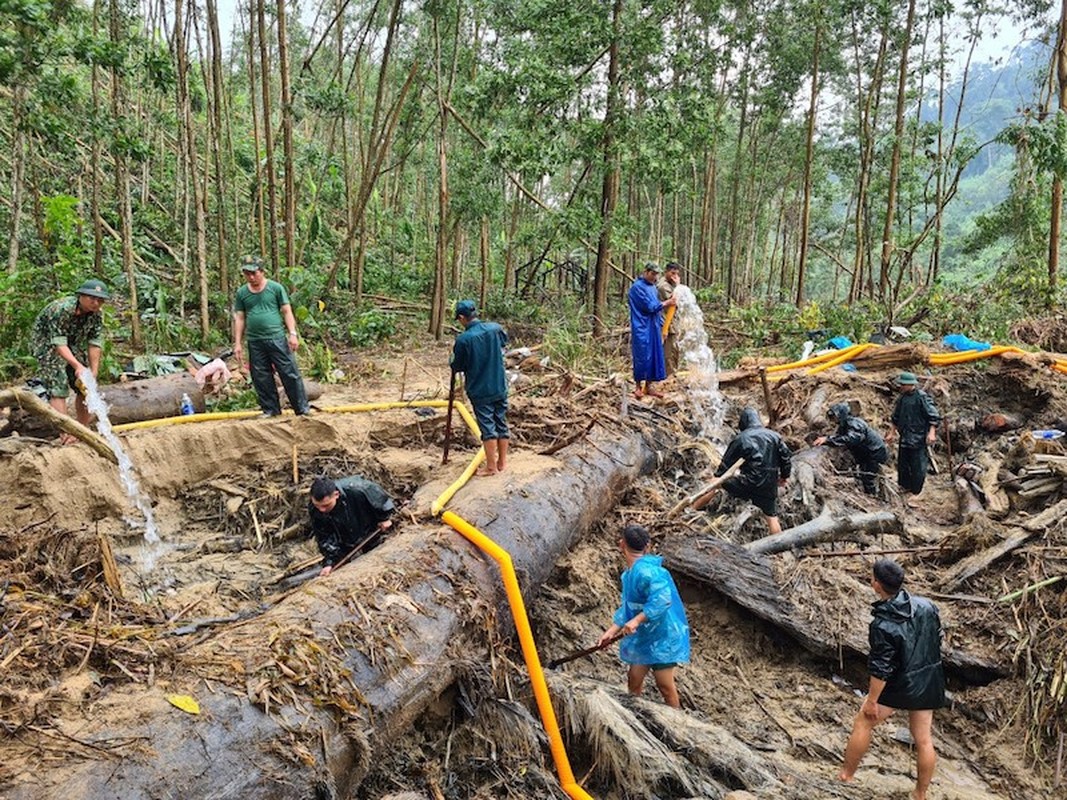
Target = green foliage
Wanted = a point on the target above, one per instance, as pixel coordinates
(371, 327)
(320, 362)
(239, 400)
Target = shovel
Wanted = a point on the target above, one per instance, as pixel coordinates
(557, 662)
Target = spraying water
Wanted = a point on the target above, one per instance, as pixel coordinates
(96, 404)
(709, 407)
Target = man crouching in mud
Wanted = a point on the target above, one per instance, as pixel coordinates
(906, 672)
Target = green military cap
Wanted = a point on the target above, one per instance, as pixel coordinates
(94, 288)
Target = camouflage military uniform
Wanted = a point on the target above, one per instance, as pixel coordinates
(58, 325)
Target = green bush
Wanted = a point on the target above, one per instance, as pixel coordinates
(371, 327)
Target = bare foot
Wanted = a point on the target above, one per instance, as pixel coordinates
(844, 777)
(637, 395)
(484, 472)
(654, 393)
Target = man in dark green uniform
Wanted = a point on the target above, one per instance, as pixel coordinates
(915, 419)
(262, 310)
(905, 672)
(67, 339)
(479, 354)
(861, 440)
(349, 514)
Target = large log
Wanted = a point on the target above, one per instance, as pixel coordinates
(298, 702)
(748, 580)
(155, 398)
(828, 528)
(34, 405)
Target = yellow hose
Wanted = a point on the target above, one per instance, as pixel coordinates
(668, 315)
(807, 362)
(845, 355)
(529, 650)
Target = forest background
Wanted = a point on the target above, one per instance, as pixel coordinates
(813, 164)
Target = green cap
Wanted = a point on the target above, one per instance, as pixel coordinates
(907, 379)
(251, 263)
(94, 288)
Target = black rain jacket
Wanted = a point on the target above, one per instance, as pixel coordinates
(767, 456)
(361, 505)
(913, 415)
(905, 641)
(860, 438)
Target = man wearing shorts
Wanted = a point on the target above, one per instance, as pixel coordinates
(651, 619)
(905, 672)
(479, 354)
(768, 462)
(67, 339)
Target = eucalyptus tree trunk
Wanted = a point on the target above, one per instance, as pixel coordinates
(735, 184)
(261, 199)
(18, 173)
(268, 134)
(894, 162)
(510, 280)
(287, 138)
(379, 139)
(216, 140)
(609, 194)
(94, 160)
(1057, 179)
(122, 184)
(483, 253)
(196, 191)
(809, 158)
(866, 107)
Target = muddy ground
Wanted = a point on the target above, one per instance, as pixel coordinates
(230, 503)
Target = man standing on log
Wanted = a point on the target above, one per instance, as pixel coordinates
(915, 418)
(906, 672)
(862, 441)
(651, 619)
(768, 463)
(646, 332)
(262, 309)
(347, 515)
(672, 278)
(479, 354)
(67, 339)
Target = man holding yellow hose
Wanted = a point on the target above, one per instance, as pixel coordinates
(665, 286)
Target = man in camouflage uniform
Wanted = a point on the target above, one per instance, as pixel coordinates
(67, 340)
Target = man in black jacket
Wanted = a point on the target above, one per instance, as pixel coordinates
(906, 672)
(768, 462)
(865, 445)
(346, 515)
(915, 418)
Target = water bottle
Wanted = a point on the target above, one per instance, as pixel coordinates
(186, 406)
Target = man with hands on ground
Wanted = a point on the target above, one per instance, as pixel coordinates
(651, 619)
(905, 672)
(347, 515)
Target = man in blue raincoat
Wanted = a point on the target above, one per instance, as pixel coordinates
(651, 618)
(646, 332)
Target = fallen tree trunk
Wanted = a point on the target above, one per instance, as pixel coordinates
(748, 580)
(972, 565)
(827, 528)
(34, 405)
(155, 398)
(300, 701)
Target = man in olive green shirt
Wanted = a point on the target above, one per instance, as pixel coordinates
(262, 313)
(67, 339)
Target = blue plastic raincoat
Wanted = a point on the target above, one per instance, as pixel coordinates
(664, 638)
(646, 336)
